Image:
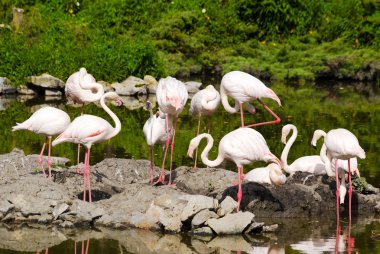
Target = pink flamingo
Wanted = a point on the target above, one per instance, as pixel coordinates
(81, 87)
(205, 102)
(244, 87)
(341, 144)
(242, 146)
(271, 174)
(47, 121)
(88, 130)
(171, 97)
(155, 133)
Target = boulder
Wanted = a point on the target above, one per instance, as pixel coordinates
(130, 86)
(6, 87)
(46, 81)
(231, 223)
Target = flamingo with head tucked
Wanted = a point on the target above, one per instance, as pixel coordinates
(341, 144)
(243, 87)
(88, 130)
(171, 97)
(47, 121)
(205, 102)
(81, 87)
(155, 133)
(271, 174)
(242, 146)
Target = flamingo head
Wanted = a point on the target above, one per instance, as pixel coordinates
(194, 143)
(115, 98)
(284, 133)
(272, 95)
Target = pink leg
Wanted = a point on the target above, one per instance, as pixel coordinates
(240, 192)
(171, 153)
(196, 150)
(85, 174)
(47, 251)
(349, 190)
(40, 161)
(87, 245)
(78, 156)
(161, 178)
(49, 158)
(75, 247)
(88, 176)
(337, 190)
(241, 114)
(151, 165)
(82, 247)
(337, 236)
(208, 131)
(278, 119)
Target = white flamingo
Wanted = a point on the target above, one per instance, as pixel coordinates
(171, 97)
(341, 144)
(81, 88)
(155, 133)
(243, 87)
(47, 121)
(88, 130)
(271, 174)
(242, 146)
(204, 103)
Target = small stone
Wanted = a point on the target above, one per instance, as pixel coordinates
(231, 223)
(271, 228)
(255, 227)
(59, 209)
(67, 224)
(5, 206)
(228, 205)
(203, 231)
(201, 217)
(195, 204)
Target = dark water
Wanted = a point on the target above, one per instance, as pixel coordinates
(355, 107)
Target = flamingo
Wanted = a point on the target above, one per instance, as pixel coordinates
(47, 121)
(88, 130)
(204, 102)
(171, 97)
(341, 144)
(155, 133)
(244, 87)
(81, 87)
(271, 174)
(312, 164)
(242, 146)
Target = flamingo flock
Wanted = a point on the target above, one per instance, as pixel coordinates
(242, 146)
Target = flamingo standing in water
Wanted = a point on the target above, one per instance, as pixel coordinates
(341, 144)
(81, 88)
(204, 102)
(242, 146)
(155, 133)
(88, 130)
(271, 174)
(47, 121)
(243, 87)
(171, 97)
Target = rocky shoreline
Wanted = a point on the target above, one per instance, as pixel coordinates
(202, 202)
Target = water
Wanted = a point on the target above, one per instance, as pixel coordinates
(355, 107)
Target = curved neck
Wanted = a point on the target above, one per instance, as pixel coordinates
(325, 158)
(285, 152)
(98, 88)
(117, 128)
(204, 155)
(276, 176)
(225, 103)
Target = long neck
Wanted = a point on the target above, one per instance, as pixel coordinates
(285, 152)
(226, 105)
(117, 128)
(325, 158)
(276, 176)
(204, 155)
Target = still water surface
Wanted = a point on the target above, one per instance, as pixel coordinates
(355, 107)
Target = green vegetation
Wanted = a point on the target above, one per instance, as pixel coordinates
(291, 40)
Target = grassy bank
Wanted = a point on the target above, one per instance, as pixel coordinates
(282, 40)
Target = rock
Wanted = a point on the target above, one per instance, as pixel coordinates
(151, 84)
(149, 220)
(107, 86)
(193, 86)
(171, 224)
(255, 227)
(377, 207)
(195, 204)
(201, 217)
(203, 231)
(228, 205)
(46, 81)
(231, 223)
(84, 212)
(59, 209)
(271, 228)
(130, 86)
(229, 244)
(53, 93)
(24, 90)
(5, 86)
(5, 206)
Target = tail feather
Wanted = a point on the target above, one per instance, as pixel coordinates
(17, 127)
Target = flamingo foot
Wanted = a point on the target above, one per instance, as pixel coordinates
(160, 180)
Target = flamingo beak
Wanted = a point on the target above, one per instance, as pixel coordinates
(283, 139)
(190, 152)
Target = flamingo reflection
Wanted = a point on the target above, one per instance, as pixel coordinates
(84, 247)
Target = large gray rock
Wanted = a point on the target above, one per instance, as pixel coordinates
(46, 81)
(201, 217)
(151, 84)
(6, 87)
(130, 86)
(195, 204)
(231, 223)
(228, 205)
(193, 86)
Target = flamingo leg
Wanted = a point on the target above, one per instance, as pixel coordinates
(208, 131)
(82, 245)
(88, 176)
(349, 190)
(240, 192)
(161, 178)
(241, 114)
(196, 150)
(75, 247)
(278, 119)
(337, 190)
(171, 153)
(337, 236)
(78, 156)
(49, 157)
(151, 165)
(40, 161)
(85, 175)
(87, 245)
